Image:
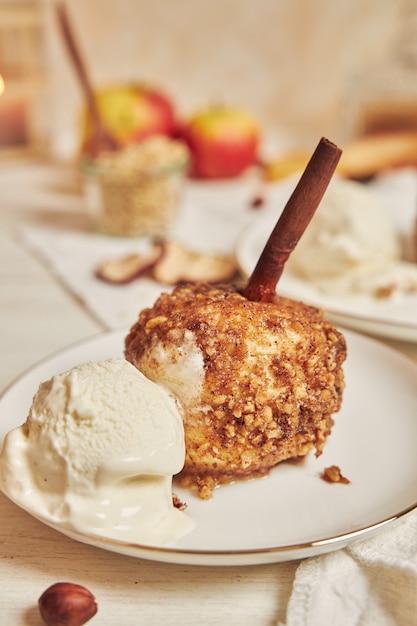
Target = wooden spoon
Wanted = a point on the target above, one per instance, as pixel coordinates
(101, 139)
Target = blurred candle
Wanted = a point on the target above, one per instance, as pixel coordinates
(13, 120)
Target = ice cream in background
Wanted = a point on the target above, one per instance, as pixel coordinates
(97, 454)
(351, 246)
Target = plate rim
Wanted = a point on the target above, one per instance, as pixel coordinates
(214, 557)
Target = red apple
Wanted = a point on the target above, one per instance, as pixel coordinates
(223, 141)
(133, 112)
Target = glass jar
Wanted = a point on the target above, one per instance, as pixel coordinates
(136, 191)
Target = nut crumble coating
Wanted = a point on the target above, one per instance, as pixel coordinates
(272, 378)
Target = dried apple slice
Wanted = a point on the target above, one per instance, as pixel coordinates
(130, 267)
(179, 264)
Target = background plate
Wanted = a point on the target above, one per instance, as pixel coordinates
(394, 317)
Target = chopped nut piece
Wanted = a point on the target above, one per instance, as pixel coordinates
(177, 503)
(384, 292)
(333, 474)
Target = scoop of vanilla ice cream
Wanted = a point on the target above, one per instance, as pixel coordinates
(350, 231)
(97, 454)
(178, 364)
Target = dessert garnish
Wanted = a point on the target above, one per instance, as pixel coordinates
(125, 269)
(293, 221)
(168, 262)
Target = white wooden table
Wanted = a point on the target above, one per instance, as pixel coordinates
(37, 317)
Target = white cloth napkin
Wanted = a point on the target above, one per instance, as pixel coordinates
(210, 219)
(370, 583)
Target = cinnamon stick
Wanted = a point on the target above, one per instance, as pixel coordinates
(293, 221)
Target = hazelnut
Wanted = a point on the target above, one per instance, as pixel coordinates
(67, 604)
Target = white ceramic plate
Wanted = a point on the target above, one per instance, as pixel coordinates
(292, 513)
(395, 317)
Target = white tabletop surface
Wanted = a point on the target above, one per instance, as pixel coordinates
(38, 316)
